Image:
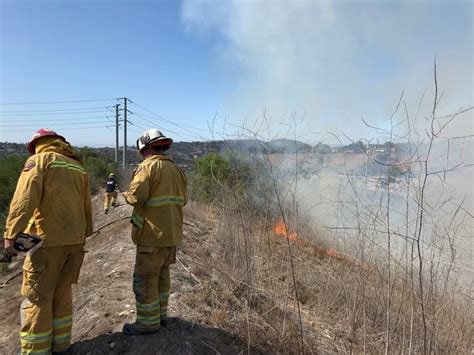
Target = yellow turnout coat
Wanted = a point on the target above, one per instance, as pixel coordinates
(52, 197)
(158, 194)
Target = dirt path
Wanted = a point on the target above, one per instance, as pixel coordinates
(103, 301)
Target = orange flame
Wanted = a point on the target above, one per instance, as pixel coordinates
(280, 229)
(333, 253)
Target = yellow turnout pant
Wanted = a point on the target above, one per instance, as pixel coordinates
(109, 199)
(151, 284)
(46, 311)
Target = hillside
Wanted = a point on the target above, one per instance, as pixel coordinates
(103, 300)
(247, 281)
(205, 300)
(218, 308)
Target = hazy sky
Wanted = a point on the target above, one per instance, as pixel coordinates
(321, 64)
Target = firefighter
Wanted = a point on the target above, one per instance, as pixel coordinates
(52, 199)
(157, 193)
(110, 193)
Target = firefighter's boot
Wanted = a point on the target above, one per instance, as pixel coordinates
(138, 329)
(151, 288)
(145, 287)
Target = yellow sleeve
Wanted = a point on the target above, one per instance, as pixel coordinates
(139, 190)
(88, 209)
(27, 197)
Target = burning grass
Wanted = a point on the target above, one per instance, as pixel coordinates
(281, 229)
(342, 300)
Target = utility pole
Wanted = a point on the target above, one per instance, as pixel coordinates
(124, 163)
(116, 132)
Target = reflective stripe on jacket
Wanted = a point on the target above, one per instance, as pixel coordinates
(52, 199)
(158, 194)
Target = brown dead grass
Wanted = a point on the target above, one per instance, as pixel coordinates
(342, 301)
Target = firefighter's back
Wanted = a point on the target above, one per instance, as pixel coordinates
(60, 217)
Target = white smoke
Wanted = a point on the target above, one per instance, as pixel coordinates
(334, 62)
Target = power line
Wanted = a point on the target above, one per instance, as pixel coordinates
(187, 128)
(135, 124)
(149, 118)
(52, 119)
(57, 124)
(15, 118)
(155, 114)
(62, 129)
(69, 109)
(158, 116)
(52, 102)
(53, 113)
(135, 130)
(168, 130)
(177, 125)
(13, 114)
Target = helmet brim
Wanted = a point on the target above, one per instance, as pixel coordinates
(159, 143)
(31, 145)
(162, 143)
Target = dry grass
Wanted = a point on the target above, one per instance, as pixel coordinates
(342, 300)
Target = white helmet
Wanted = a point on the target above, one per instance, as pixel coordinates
(153, 138)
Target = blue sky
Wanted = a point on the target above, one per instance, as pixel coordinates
(86, 50)
(321, 64)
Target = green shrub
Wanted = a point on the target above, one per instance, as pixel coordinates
(97, 167)
(230, 176)
(212, 173)
(9, 173)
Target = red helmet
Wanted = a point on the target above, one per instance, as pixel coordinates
(42, 132)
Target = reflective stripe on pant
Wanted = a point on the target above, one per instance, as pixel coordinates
(109, 199)
(151, 284)
(46, 311)
(62, 331)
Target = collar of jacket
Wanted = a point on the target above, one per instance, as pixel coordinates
(56, 145)
(159, 157)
